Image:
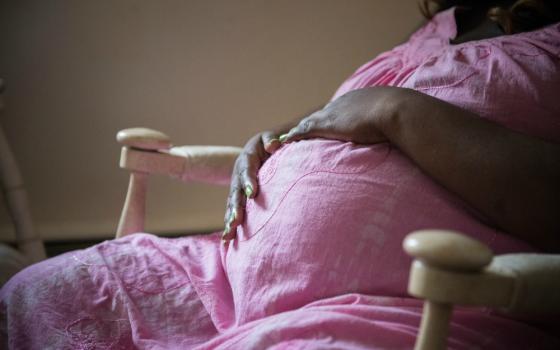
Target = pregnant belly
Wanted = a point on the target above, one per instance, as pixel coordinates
(329, 219)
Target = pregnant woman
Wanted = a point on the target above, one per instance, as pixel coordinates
(458, 128)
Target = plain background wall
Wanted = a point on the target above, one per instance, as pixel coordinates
(205, 72)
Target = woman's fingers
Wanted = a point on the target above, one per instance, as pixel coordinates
(234, 213)
(244, 181)
(309, 127)
(249, 164)
(248, 178)
(270, 142)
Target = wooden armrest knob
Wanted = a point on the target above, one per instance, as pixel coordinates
(448, 250)
(144, 138)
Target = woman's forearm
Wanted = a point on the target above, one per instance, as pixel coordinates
(512, 178)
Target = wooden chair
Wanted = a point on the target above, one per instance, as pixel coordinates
(448, 268)
(28, 242)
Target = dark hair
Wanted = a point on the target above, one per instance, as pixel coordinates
(521, 16)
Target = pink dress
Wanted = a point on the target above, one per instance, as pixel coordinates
(318, 264)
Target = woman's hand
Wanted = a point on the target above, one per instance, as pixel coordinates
(353, 117)
(357, 116)
(244, 180)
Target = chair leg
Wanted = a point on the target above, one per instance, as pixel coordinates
(434, 326)
(134, 210)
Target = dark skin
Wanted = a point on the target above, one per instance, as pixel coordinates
(509, 177)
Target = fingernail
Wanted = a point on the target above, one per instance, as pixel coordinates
(248, 190)
(283, 138)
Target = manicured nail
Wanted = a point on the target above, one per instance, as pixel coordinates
(248, 190)
(283, 138)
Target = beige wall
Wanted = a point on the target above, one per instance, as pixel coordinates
(205, 72)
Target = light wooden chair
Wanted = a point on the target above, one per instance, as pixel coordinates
(448, 268)
(147, 152)
(28, 242)
(452, 269)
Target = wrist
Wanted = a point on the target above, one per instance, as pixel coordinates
(399, 104)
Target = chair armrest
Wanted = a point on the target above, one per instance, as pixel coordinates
(451, 268)
(144, 138)
(208, 164)
(537, 282)
(149, 151)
